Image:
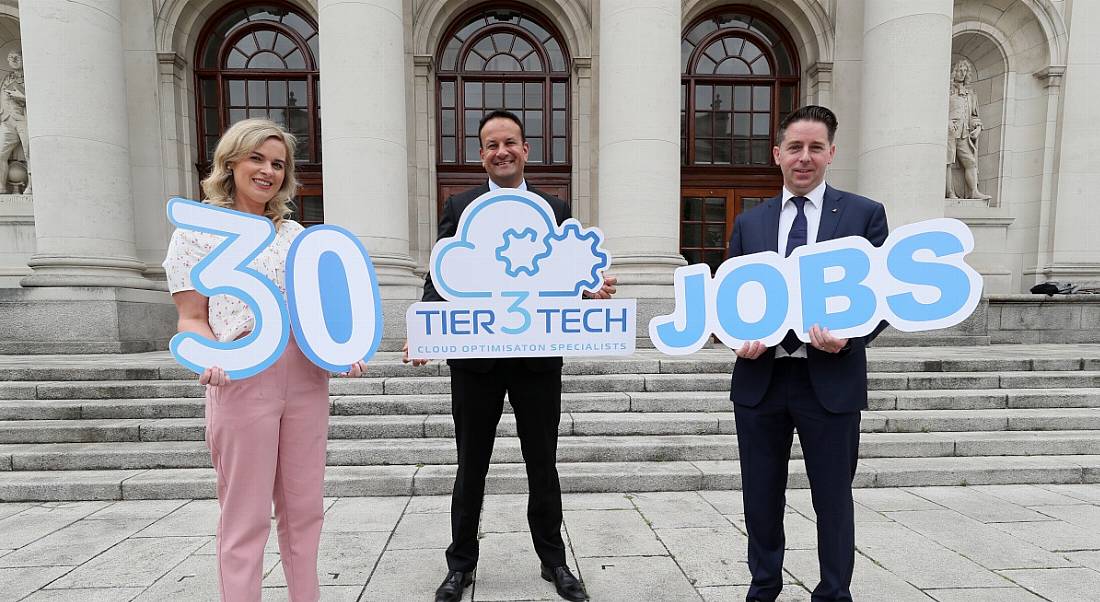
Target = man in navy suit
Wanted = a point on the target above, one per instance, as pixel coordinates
(817, 388)
(478, 386)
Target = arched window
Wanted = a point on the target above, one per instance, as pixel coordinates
(740, 78)
(503, 58)
(259, 60)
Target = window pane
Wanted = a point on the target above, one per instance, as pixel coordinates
(559, 123)
(513, 95)
(447, 94)
(703, 127)
(557, 58)
(760, 125)
(472, 146)
(715, 235)
(295, 60)
(236, 92)
(749, 202)
(257, 93)
(236, 60)
(266, 60)
(503, 62)
(733, 66)
(503, 41)
(741, 125)
(559, 95)
(723, 125)
(722, 152)
(276, 93)
(283, 44)
(298, 96)
(692, 208)
(733, 45)
(210, 121)
(761, 98)
(532, 123)
(703, 97)
(209, 93)
(686, 49)
(484, 47)
(472, 95)
(266, 39)
(705, 65)
(278, 116)
(450, 56)
(560, 154)
(692, 256)
(761, 152)
(312, 209)
(689, 235)
(750, 52)
(535, 156)
(474, 62)
(702, 151)
(472, 119)
(741, 96)
(533, 95)
(532, 62)
(715, 209)
(761, 67)
(447, 121)
(246, 45)
(723, 97)
(235, 115)
(520, 48)
(741, 152)
(448, 149)
(494, 95)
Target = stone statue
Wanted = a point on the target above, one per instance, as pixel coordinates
(963, 128)
(13, 127)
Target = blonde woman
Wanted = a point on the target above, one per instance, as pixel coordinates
(267, 434)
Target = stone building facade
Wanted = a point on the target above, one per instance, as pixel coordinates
(654, 118)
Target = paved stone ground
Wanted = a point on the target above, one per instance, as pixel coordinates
(1003, 543)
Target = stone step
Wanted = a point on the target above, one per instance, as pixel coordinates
(579, 423)
(162, 367)
(629, 448)
(637, 401)
(604, 383)
(575, 477)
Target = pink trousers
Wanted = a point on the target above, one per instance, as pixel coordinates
(267, 437)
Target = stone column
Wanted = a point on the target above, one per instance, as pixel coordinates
(903, 129)
(1076, 255)
(639, 144)
(364, 140)
(76, 86)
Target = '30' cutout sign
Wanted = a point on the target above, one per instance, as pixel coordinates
(332, 303)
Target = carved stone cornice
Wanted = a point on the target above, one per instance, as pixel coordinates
(423, 63)
(1051, 76)
(582, 65)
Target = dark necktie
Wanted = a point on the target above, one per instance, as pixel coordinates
(796, 238)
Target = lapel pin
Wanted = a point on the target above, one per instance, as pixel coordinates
(834, 209)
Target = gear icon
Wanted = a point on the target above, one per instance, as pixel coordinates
(583, 247)
(521, 252)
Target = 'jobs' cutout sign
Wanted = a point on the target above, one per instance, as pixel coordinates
(513, 280)
(332, 300)
(917, 280)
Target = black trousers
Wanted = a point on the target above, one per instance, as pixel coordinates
(477, 401)
(830, 445)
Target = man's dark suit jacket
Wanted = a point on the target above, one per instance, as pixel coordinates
(448, 226)
(839, 379)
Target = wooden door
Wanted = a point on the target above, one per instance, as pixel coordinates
(707, 216)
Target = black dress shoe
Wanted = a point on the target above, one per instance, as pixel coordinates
(451, 588)
(567, 585)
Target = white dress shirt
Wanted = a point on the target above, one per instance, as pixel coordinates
(522, 185)
(788, 211)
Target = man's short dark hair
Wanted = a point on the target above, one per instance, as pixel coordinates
(500, 114)
(809, 113)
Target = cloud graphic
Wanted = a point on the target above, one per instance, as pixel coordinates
(507, 242)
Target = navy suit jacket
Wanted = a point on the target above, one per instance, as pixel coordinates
(839, 379)
(448, 226)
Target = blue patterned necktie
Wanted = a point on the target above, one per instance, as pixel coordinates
(796, 238)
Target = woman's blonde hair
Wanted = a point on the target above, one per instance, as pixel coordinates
(236, 144)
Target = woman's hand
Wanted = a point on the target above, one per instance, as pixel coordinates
(214, 376)
(358, 369)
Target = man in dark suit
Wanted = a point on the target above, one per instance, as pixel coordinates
(478, 386)
(817, 388)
